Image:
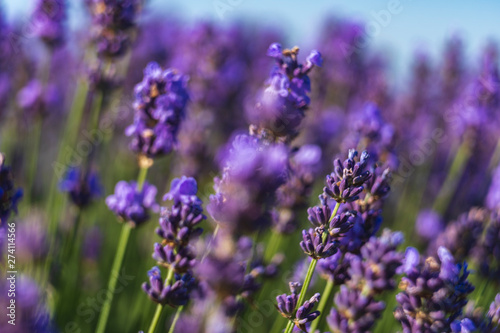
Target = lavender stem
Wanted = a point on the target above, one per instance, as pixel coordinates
(156, 318)
(325, 296)
(176, 317)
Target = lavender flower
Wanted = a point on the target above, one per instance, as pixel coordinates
(81, 187)
(281, 105)
(492, 200)
(373, 272)
(494, 311)
(433, 293)
(292, 197)
(160, 103)
(36, 100)
(335, 268)
(112, 21)
(47, 21)
(428, 224)
(354, 311)
(301, 316)
(175, 294)
(178, 227)
(314, 246)
(463, 326)
(9, 195)
(246, 190)
(130, 204)
(346, 182)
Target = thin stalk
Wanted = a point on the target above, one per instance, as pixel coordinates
(455, 172)
(273, 246)
(325, 296)
(113, 278)
(209, 246)
(303, 291)
(117, 263)
(156, 318)
(176, 317)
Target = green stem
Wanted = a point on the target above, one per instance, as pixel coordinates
(325, 296)
(142, 178)
(273, 246)
(305, 286)
(156, 318)
(176, 317)
(455, 172)
(113, 278)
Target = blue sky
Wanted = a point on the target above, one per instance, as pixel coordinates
(417, 24)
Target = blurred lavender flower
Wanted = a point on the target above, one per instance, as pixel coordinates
(492, 200)
(37, 100)
(460, 236)
(292, 197)
(130, 204)
(354, 312)
(9, 195)
(281, 105)
(494, 311)
(301, 315)
(374, 270)
(335, 268)
(246, 190)
(31, 233)
(112, 21)
(47, 21)
(160, 104)
(346, 182)
(81, 187)
(486, 251)
(92, 244)
(428, 224)
(31, 314)
(463, 326)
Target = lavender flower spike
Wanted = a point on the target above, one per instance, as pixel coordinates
(82, 188)
(314, 246)
(301, 316)
(160, 292)
(131, 205)
(346, 182)
(48, 21)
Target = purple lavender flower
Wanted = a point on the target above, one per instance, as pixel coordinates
(354, 311)
(428, 224)
(462, 235)
(160, 103)
(346, 182)
(47, 21)
(32, 314)
(9, 195)
(494, 311)
(301, 316)
(82, 188)
(492, 200)
(335, 268)
(314, 246)
(434, 293)
(281, 105)
(35, 99)
(374, 270)
(182, 189)
(112, 21)
(463, 326)
(131, 205)
(31, 238)
(246, 190)
(162, 292)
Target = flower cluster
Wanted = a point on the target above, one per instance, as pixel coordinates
(178, 227)
(131, 204)
(433, 293)
(9, 194)
(112, 21)
(301, 315)
(281, 105)
(82, 187)
(160, 103)
(47, 21)
(244, 194)
(292, 197)
(35, 99)
(346, 181)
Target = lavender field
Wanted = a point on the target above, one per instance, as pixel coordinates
(159, 174)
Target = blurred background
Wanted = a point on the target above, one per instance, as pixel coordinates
(417, 24)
